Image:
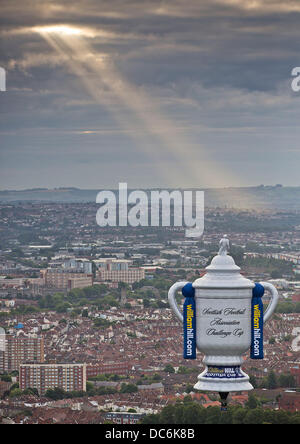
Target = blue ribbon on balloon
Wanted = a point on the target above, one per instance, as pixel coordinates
(257, 323)
(189, 322)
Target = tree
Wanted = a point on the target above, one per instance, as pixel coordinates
(169, 369)
(6, 378)
(31, 391)
(252, 402)
(272, 381)
(295, 419)
(213, 415)
(191, 413)
(62, 308)
(90, 388)
(238, 415)
(167, 415)
(189, 388)
(56, 394)
(286, 381)
(253, 381)
(15, 393)
(129, 388)
(151, 419)
(146, 303)
(156, 377)
(114, 378)
(182, 370)
(281, 417)
(254, 416)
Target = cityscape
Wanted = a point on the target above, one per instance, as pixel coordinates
(149, 214)
(90, 337)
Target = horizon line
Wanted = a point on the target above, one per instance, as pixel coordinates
(73, 188)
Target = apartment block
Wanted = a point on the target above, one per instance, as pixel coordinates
(79, 265)
(69, 377)
(128, 276)
(20, 349)
(66, 280)
(112, 264)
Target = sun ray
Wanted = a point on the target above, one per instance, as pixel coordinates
(97, 71)
(164, 132)
(79, 66)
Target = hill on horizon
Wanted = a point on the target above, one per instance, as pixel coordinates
(259, 197)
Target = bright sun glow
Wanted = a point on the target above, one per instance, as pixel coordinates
(59, 29)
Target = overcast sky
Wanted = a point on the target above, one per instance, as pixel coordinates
(152, 93)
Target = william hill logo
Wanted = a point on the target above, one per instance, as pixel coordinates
(256, 329)
(190, 331)
(190, 316)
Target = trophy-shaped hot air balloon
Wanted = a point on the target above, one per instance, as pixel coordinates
(223, 317)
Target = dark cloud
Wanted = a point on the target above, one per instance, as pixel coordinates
(219, 70)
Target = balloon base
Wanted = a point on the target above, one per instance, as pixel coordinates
(223, 379)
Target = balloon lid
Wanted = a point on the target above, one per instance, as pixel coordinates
(223, 271)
